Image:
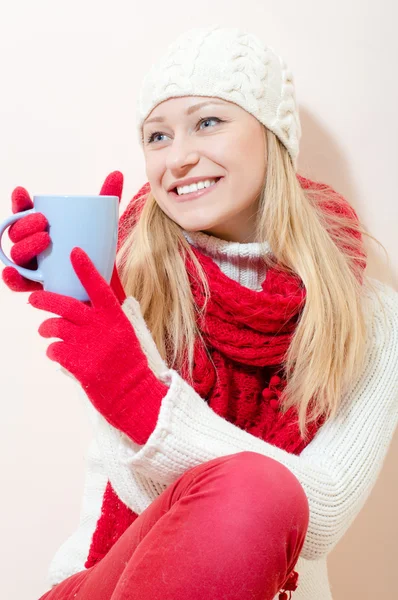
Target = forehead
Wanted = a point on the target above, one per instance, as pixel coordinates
(183, 105)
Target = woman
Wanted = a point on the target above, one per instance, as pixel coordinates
(244, 396)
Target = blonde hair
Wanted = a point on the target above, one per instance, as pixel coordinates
(327, 349)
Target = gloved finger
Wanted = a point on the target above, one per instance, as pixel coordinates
(98, 290)
(20, 200)
(63, 354)
(56, 352)
(113, 185)
(29, 248)
(27, 226)
(32, 265)
(60, 328)
(64, 306)
(15, 282)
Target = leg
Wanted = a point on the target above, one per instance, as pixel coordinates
(231, 528)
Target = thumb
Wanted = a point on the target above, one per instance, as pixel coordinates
(20, 200)
(113, 185)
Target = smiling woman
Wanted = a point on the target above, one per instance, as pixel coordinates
(239, 436)
(224, 145)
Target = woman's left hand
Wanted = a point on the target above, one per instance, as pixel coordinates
(100, 349)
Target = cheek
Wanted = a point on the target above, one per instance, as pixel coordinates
(247, 166)
(253, 155)
(154, 170)
(242, 153)
(252, 145)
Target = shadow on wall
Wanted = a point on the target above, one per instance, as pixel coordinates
(366, 554)
(322, 159)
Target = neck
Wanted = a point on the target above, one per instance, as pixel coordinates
(242, 262)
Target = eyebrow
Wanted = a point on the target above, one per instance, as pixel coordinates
(190, 110)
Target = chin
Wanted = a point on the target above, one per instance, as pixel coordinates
(197, 228)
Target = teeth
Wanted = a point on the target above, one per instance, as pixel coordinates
(188, 189)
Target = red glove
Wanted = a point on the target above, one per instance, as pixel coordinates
(30, 237)
(100, 348)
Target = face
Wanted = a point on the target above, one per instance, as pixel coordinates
(186, 139)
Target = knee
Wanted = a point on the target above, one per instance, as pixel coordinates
(265, 487)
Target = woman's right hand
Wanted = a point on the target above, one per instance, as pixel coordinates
(30, 237)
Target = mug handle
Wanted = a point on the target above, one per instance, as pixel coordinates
(35, 275)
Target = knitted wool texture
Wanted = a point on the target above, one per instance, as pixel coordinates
(247, 333)
(231, 64)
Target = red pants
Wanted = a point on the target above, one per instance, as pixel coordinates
(229, 529)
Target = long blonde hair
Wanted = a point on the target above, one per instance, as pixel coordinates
(327, 349)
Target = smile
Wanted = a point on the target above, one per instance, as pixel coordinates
(196, 194)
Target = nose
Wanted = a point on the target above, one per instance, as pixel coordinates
(181, 154)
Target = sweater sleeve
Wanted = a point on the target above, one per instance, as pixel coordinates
(71, 556)
(337, 469)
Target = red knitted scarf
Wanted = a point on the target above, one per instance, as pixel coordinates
(247, 334)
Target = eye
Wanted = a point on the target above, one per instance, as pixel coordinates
(209, 119)
(156, 134)
(151, 138)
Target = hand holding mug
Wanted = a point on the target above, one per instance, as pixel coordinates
(30, 237)
(98, 235)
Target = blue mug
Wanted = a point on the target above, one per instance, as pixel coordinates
(87, 222)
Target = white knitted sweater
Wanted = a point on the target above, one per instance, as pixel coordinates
(337, 470)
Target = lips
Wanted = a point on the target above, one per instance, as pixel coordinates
(197, 194)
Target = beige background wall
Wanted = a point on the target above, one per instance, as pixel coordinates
(70, 72)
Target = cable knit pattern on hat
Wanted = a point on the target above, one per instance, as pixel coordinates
(231, 64)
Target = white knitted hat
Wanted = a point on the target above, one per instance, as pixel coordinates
(231, 64)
